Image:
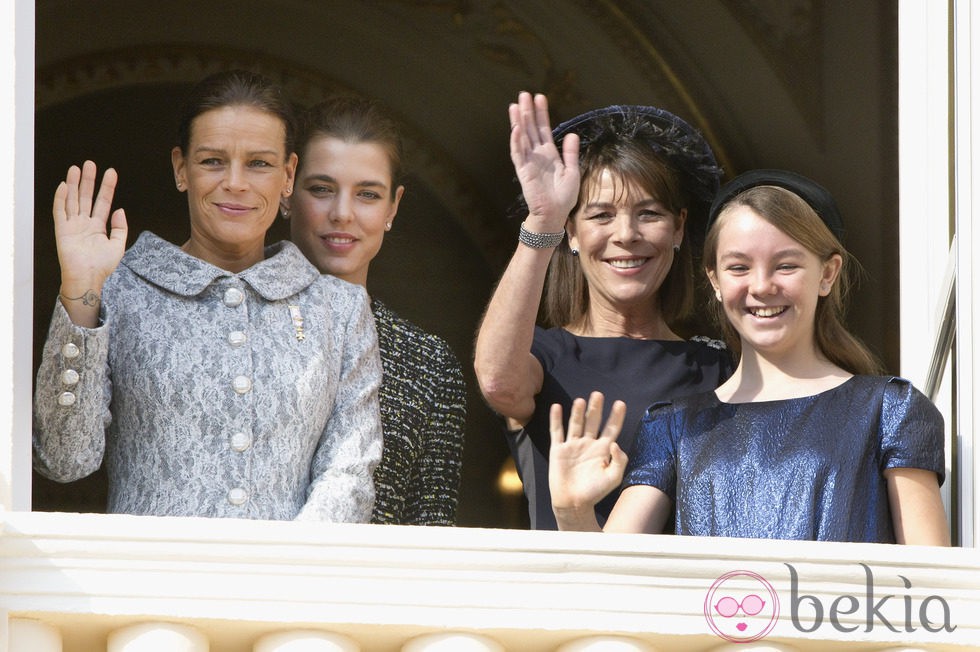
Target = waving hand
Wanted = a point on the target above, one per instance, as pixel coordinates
(86, 253)
(587, 464)
(549, 180)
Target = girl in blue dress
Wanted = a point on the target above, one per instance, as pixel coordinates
(806, 440)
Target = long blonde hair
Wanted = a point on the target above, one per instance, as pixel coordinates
(796, 218)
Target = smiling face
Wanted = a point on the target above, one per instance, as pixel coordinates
(235, 172)
(343, 205)
(769, 284)
(625, 238)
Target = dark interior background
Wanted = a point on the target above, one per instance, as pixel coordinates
(808, 85)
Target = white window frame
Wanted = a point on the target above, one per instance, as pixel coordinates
(966, 148)
(16, 252)
(937, 145)
(939, 290)
(60, 566)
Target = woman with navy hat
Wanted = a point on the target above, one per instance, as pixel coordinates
(606, 200)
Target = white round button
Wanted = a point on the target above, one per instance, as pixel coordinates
(237, 496)
(236, 338)
(66, 398)
(242, 384)
(69, 377)
(70, 351)
(240, 441)
(233, 297)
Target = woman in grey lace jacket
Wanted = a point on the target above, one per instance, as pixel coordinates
(222, 377)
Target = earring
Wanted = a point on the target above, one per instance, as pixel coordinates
(387, 226)
(677, 248)
(180, 186)
(575, 252)
(285, 211)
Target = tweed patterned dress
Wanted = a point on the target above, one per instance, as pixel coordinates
(250, 395)
(423, 415)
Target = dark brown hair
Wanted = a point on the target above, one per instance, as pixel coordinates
(354, 120)
(645, 148)
(566, 297)
(635, 165)
(236, 88)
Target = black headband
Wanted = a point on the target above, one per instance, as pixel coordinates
(818, 197)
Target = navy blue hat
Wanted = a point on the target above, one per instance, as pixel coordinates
(818, 197)
(680, 144)
(670, 136)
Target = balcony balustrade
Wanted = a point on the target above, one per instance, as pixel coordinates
(94, 583)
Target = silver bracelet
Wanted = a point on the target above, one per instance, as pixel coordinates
(540, 240)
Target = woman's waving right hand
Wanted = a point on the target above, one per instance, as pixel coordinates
(86, 253)
(549, 181)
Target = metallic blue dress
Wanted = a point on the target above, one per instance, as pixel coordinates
(802, 468)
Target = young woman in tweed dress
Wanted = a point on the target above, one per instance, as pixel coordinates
(347, 195)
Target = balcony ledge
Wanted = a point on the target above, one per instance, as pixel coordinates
(236, 580)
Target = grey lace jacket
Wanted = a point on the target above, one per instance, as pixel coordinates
(250, 395)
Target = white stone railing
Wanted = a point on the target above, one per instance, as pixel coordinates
(88, 583)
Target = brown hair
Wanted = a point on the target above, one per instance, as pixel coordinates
(793, 216)
(644, 148)
(236, 88)
(354, 120)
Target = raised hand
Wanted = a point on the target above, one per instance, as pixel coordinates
(587, 464)
(549, 181)
(86, 252)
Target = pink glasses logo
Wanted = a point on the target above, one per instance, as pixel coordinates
(741, 607)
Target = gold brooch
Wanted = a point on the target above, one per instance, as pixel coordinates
(297, 318)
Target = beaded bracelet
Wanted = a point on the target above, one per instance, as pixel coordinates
(540, 240)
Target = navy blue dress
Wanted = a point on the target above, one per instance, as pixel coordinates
(639, 372)
(803, 468)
